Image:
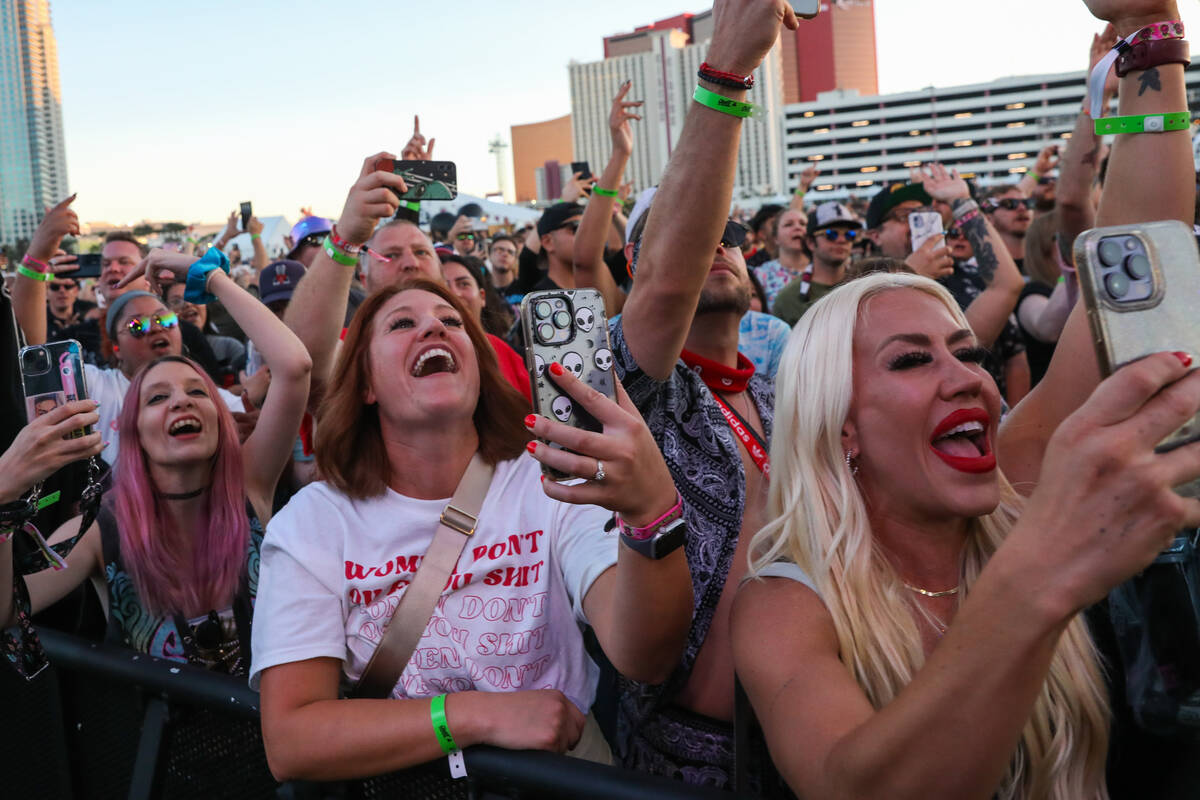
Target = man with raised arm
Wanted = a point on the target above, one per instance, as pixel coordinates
(675, 347)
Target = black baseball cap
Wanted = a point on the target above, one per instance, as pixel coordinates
(891, 196)
(556, 216)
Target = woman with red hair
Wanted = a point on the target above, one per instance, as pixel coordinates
(174, 551)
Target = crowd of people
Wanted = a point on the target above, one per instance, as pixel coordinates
(859, 492)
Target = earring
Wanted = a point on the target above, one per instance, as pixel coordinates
(850, 465)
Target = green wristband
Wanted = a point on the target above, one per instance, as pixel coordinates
(599, 190)
(1033, 173)
(437, 714)
(337, 255)
(34, 276)
(726, 105)
(1144, 123)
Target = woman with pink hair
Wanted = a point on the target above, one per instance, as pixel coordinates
(174, 551)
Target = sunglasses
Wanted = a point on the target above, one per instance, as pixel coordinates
(466, 237)
(734, 234)
(140, 326)
(833, 234)
(62, 287)
(1013, 203)
(314, 239)
(573, 227)
(954, 233)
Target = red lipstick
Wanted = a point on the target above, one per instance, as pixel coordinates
(970, 464)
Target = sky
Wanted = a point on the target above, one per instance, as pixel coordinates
(179, 111)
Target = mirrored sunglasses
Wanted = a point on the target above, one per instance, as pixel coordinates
(833, 234)
(1013, 203)
(140, 326)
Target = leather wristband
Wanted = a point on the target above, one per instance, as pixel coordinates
(1144, 55)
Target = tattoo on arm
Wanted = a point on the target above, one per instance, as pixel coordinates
(1089, 158)
(976, 231)
(1149, 80)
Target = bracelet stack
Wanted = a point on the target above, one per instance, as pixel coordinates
(40, 272)
(729, 79)
(1151, 46)
(648, 531)
(726, 105)
(341, 250)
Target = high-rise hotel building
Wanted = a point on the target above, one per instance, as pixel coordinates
(33, 164)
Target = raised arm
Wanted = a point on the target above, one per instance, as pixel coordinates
(259, 260)
(29, 295)
(988, 312)
(317, 310)
(806, 181)
(1129, 196)
(597, 225)
(692, 203)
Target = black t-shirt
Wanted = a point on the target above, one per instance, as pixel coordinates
(1038, 352)
(966, 284)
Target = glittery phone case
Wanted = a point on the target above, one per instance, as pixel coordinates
(1157, 311)
(567, 326)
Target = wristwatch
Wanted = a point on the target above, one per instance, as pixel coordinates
(666, 541)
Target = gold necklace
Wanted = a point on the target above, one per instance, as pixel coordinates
(928, 593)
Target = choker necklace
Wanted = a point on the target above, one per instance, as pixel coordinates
(928, 593)
(182, 495)
(718, 377)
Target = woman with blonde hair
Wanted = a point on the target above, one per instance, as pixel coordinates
(925, 635)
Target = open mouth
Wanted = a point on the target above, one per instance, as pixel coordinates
(434, 361)
(185, 427)
(961, 441)
(160, 344)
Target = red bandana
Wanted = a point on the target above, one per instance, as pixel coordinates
(718, 377)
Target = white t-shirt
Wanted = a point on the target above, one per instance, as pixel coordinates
(108, 387)
(334, 569)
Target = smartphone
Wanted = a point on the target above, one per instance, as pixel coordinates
(923, 226)
(426, 180)
(806, 9)
(89, 266)
(567, 326)
(582, 168)
(247, 212)
(51, 376)
(1139, 284)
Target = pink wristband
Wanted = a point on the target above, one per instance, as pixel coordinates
(1171, 29)
(648, 531)
(30, 261)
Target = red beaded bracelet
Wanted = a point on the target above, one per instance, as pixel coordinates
(730, 79)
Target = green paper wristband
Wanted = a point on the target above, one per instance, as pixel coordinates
(34, 276)
(726, 105)
(437, 715)
(1144, 123)
(337, 255)
(599, 190)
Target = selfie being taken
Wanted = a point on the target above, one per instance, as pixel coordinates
(748, 401)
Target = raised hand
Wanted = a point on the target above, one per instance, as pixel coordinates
(618, 120)
(1101, 43)
(231, 228)
(254, 226)
(43, 447)
(60, 221)
(1103, 507)
(940, 183)
(1128, 16)
(637, 483)
(807, 177)
(374, 196)
(158, 266)
(625, 191)
(417, 149)
(744, 31)
(1047, 160)
(932, 259)
(576, 188)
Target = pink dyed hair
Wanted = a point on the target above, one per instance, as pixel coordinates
(171, 576)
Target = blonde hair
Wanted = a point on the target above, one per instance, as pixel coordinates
(819, 521)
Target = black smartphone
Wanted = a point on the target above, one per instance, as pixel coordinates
(51, 376)
(582, 168)
(247, 212)
(89, 267)
(426, 180)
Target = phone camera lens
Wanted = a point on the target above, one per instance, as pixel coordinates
(545, 332)
(562, 320)
(1110, 253)
(542, 310)
(1131, 244)
(1138, 267)
(1117, 285)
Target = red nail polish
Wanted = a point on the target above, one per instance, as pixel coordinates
(531, 420)
(1183, 357)
(556, 369)
(532, 446)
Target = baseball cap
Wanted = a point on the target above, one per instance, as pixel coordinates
(556, 216)
(891, 196)
(831, 213)
(278, 280)
(306, 227)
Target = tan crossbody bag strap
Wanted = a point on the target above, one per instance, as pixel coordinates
(402, 633)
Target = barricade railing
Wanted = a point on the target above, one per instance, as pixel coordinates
(106, 722)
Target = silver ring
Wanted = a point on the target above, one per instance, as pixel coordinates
(599, 476)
